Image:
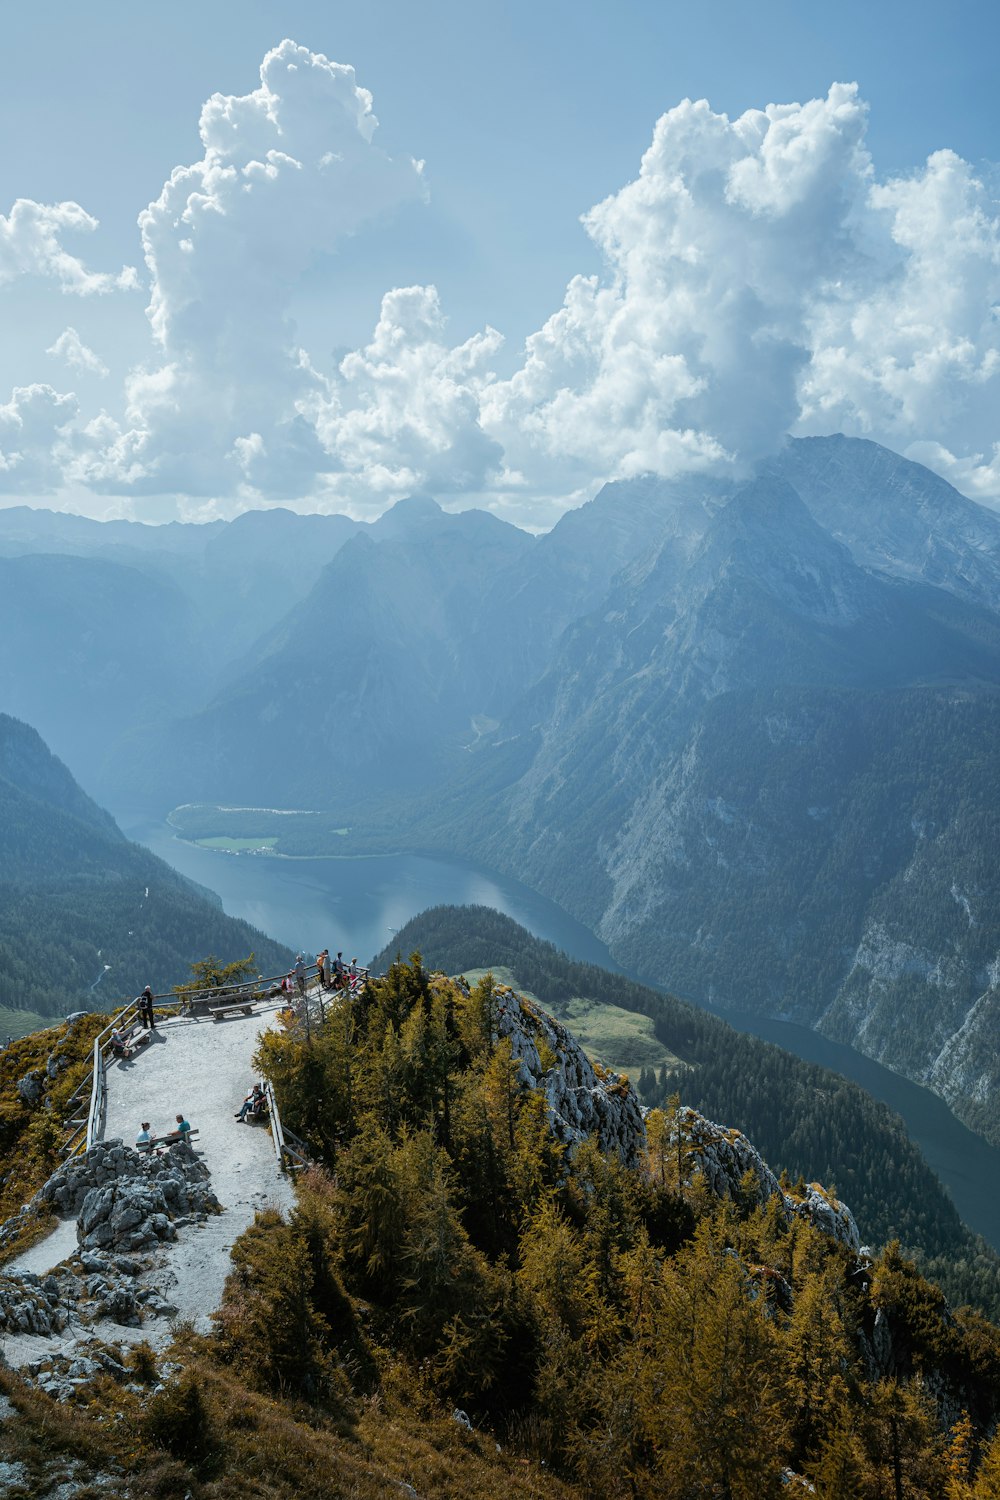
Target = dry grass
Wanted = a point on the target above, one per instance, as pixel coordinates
(263, 1448)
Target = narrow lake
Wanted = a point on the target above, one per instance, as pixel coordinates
(967, 1165)
(357, 905)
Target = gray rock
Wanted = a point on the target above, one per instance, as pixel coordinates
(29, 1088)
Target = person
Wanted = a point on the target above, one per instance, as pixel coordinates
(339, 972)
(146, 1009)
(182, 1132)
(252, 1104)
(119, 1046)
(300, 973)
(144, 1141)
(288, 983)
(352, 973)
(321, 963)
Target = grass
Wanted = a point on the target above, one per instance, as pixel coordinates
(263, 1448)
(621, 1040)
(236, 846)
(18, 1023)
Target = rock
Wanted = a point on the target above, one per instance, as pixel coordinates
(29, 1088)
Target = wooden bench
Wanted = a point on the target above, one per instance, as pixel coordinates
(171, 1139)
(132, 1040)
(241, 1005)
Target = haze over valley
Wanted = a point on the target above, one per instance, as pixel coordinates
(541, 541)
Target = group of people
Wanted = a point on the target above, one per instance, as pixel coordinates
(334, 974)
(145, 1141)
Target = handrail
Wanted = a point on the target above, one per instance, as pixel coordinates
(97, 1097)
(290, 1158)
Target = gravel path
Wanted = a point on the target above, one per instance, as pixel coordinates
(202, 1069)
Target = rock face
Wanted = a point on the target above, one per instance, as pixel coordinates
(581, 1101)
(723, 1157)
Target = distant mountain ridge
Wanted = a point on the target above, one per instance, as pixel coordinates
(745, 731)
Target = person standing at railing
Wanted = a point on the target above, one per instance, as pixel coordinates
(300, 973)
(322, 964)
(145, 1004)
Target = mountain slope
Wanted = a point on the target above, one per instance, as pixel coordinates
(805, 1119)
(84, 912)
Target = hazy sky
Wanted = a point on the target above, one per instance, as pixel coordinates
(516, 284)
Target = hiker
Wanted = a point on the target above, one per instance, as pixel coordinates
(252, 1104)
(145, 1004)
(339, 972)
(300, 973)
(322, 960)
(144, 1141)
(119, 1046)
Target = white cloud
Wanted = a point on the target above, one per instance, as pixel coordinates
(288, 170)
(70, 347)
(403, 413)
(33, 433)
(761, 280)
(757, 278)
(30, 245)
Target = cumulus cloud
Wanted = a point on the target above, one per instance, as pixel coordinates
(288, 170)
(34, 427)
(70, 347)
(31, 245)
(758, 278)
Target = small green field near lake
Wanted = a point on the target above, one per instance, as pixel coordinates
(236, 846)
(621, 1040)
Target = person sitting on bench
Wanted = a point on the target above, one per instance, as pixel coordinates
(144, 1141)
(119, 1044)
(252, 1104)
(182, 1132)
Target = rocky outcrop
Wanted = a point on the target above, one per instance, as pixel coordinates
(585, 1100)
(85, 1289)
(122, 1200)
(582, 1101)
(724, 1157)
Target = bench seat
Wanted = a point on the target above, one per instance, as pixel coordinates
(243, 1007)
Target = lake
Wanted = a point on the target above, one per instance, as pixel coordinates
(357, 905)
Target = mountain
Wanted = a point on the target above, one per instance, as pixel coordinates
(895, 515)
(807, 1121)
(499, 1278)
(83, 911)
(106, 627)
(372, 682)
(763, 773)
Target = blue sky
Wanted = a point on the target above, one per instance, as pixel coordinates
(525, 117)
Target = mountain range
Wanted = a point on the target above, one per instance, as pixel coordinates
(746, 731)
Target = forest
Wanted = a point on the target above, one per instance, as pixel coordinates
(805, 1120)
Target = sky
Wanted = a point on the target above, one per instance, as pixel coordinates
(326, 256)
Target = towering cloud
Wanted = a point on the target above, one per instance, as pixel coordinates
(760, 281)
(287, 171)
(758, 278)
